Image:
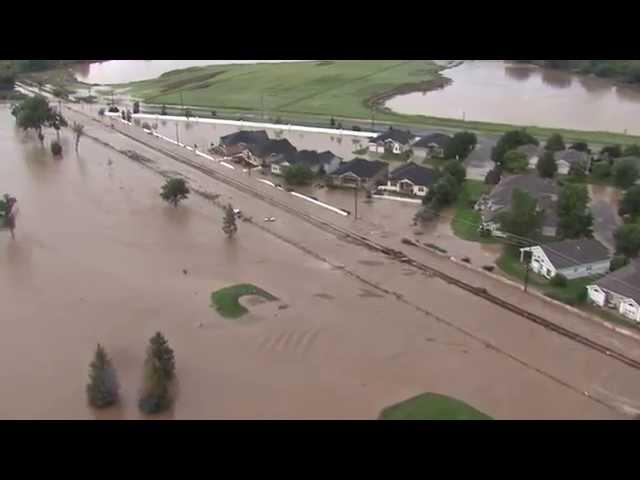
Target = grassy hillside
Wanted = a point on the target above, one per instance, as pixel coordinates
(324, 87)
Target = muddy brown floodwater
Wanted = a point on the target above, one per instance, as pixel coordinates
(517, 94)
(98, 257)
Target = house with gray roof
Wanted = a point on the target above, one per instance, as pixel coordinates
(323, 162)
(544, 190)
(620, 290)
(566, 158)
(573, 258)
(431, 145)
(532, 152)
(359, 173)
(411, 179)
(393, 141)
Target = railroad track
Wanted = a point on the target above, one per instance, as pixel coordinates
(395, 254)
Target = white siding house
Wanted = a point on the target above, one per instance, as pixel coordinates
(571, 258)
(619, 290)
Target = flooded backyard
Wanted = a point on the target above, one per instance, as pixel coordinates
(98, 257)
(495, 91)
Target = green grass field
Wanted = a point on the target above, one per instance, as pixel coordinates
(320, 90)
(432, 406)
(226, 299)
(466, 220)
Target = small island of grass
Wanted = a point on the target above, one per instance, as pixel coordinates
(226, 299)
(432, 406)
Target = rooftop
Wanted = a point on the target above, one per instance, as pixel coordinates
(361, 167)
(248, 137)
(439, 139)
(569, 253)
(401, 136)
(531, 183)
(415, 173)
(625, 281)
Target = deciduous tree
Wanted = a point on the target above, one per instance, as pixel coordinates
(229, 226)
(630, 202)
(625, 173)
(460, 145)
(522, 218)
(510, 141)
(515, 161)
(175, 190)
(575, 218)
(547, 166)
(78, 131)
(555, 143)
(627, 239)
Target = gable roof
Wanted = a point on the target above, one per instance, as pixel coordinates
(571, 253)
(272, 147)
(400, 136)
(327, 157)
(531, 183)
(570, 156)
(625, 281)
(439, 139)
(415, 173)
(248, 137)
(361, 167)
(286, 157)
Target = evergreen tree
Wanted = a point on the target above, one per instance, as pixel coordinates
(547, 166)
(555, 143)
(229, 227)
(174, 191)
(163, 354)
(102, 389)
(158, 374)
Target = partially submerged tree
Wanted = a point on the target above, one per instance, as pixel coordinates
(136, 107)
(580, 147)
(555, 143)
(56, 148)
(298, 175)
(78, 130)
(627, 239)
(35, 113)
(522, 218)
(8, 213)
(515, 161)
(229, 226)
(601, 170)
(510, 141)
(578, 169)
(630, 202)
(493, 176)
(163, 110)
(159, 371)
(611, 151)
(547, 166)
(103, 388)
(632, 150)
(174, 190)
(456, 169)
(575, 218)
(460, 145)
(625, 173)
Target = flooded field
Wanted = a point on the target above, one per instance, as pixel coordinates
(495, 91)
(98, 257)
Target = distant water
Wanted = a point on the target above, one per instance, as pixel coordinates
(122, 71)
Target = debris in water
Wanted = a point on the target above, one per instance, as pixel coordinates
(465, 259)
(185, 271)
(283, 306)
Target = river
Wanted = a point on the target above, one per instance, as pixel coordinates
(123, 71)
(496, 91)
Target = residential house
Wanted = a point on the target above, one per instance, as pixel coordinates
(240, 146)
(393, 141)
(575, 258)
(359, 173)
(566, 158)
(248, 137)
(271, 149)
(532, 153)
(324, 162)
(432, 145)
(619, 290)
(544, 190)
(411, 179)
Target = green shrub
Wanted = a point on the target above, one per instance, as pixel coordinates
(559, 280)
(56, 148)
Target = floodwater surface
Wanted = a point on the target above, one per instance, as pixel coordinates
(98, 257)
(496, 91)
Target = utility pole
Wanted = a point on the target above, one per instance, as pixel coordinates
(177, 134)
(527, 259)
(262, 103)
(182, 102)
(356, 201)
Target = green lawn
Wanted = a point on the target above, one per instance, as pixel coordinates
(571, 294)
(466, 220)
(226, 299)
(432, 406)
(320, 90)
